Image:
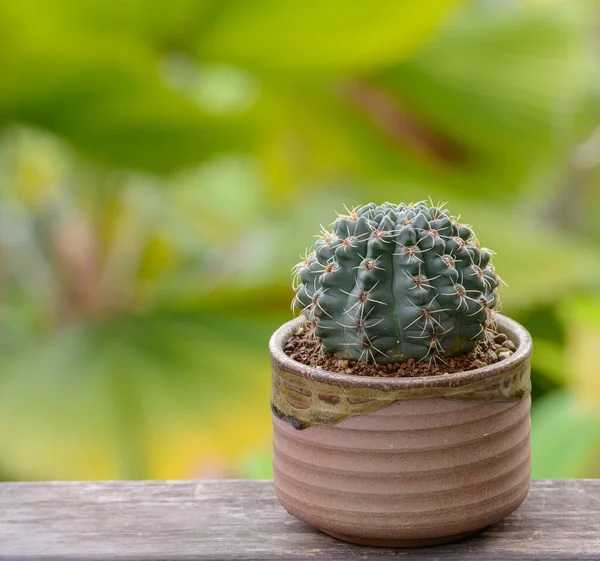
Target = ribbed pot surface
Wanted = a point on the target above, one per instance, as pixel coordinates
(418, 472)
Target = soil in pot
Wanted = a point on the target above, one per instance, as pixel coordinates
(305, 349)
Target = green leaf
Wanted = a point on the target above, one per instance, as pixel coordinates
(104, 92)
(549, 359)
(134, 398)
(582, 317)
(258, 465)
(504, 81)
(333, 35)
(565, 438)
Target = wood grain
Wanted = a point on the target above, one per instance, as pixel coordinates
(185, 520)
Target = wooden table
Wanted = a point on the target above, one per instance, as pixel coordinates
(160, 520)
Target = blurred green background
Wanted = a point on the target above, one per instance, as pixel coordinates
(163, 165)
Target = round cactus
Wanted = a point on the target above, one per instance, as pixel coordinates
(394, 282)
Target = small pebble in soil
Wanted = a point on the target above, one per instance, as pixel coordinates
(509, 345)
(478, 364)
(500, 338)
(495, 347)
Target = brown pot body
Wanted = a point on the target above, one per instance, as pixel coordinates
(418, 472)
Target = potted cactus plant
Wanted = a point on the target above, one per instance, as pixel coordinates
(400, 398)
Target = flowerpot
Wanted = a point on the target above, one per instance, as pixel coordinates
(402, 461)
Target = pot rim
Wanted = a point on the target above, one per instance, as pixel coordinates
(515, 331)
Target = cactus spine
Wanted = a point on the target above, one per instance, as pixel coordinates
(394, 282)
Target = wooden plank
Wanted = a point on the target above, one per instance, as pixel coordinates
(185, 520)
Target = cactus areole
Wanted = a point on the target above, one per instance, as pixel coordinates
(394, 282)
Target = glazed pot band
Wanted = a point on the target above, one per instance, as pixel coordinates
(305, 396)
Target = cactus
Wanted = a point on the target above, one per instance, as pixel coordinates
(394, 282)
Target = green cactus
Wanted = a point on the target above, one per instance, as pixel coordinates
(394, 282)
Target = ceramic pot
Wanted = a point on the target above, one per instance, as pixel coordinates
(402, 461)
